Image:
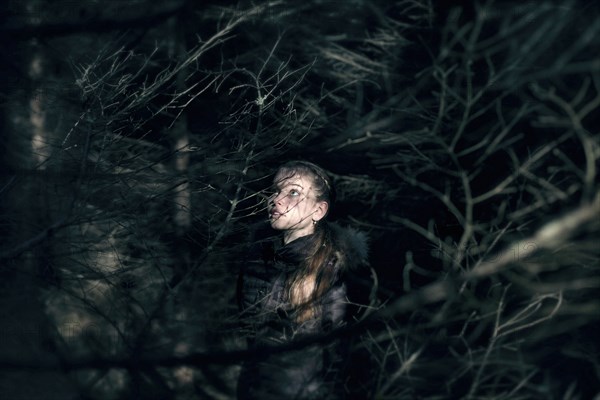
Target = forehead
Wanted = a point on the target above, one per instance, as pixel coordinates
(285, 177)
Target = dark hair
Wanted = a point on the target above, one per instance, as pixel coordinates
(313, 272)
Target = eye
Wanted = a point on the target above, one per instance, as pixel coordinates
(294, 193)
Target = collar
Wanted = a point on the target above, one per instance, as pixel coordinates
(289, 256)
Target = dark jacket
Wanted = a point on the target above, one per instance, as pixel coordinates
(312, 372)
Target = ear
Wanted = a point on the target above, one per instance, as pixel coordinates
(321, 211)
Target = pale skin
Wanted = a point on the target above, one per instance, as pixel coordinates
(294, 208)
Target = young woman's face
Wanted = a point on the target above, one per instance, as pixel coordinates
(293, 207)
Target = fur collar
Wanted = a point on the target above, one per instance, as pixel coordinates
(352, 248)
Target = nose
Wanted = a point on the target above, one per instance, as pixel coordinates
(278, 198)
(273, 199)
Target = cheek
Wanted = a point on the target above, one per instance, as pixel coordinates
(290, 205)
(298, 208)
(302, 213)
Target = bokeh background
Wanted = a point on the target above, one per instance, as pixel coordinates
(138, 139)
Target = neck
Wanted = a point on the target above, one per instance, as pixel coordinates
(290, 236)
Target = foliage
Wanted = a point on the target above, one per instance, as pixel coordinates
(462, 140)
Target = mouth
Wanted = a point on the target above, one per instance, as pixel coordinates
(275, 214)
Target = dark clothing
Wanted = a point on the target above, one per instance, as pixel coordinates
(311, 372)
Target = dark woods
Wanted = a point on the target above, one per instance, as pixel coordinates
(139, 139)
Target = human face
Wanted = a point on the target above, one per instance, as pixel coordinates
(294, 206)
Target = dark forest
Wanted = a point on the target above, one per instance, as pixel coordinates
(138, 140)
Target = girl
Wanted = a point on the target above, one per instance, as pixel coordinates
(298, 284)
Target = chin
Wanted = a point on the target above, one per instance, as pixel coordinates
(275, 224)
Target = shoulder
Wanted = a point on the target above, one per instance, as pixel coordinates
(351, 246)
(360, 280)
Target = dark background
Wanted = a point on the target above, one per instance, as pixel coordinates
(138, 138)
